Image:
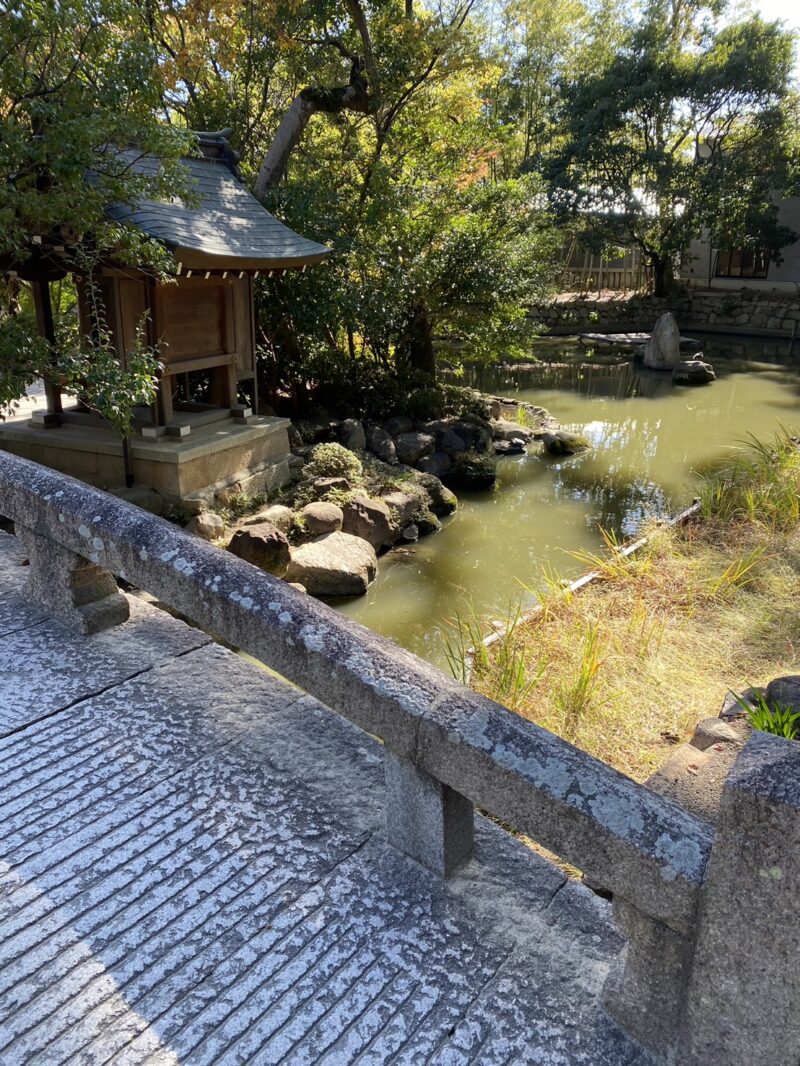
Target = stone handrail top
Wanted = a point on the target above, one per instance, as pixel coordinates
(641, 846)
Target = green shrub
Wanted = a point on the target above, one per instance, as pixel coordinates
(425, 405)
(332, 460)
(780, 719)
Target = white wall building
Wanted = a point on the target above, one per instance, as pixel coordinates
(745, 268)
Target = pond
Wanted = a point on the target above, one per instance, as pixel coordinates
(650, 441)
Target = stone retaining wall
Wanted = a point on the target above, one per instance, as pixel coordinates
(746, 311)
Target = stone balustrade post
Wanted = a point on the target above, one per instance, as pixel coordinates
(425, 819)
(645, 994)
(81, 595)
(743, 998)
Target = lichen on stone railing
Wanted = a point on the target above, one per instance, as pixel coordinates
(447, 749)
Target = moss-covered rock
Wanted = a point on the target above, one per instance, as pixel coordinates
(472, 471)
(563, 443)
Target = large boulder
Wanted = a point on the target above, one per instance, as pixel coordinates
(322, 518)
(207, 525)
(784, 692)
(563, 443)
(427, 523)
(693, 372)
(402, 507)
(368, 518)
(281, 517)
(399, 424)
(337, 564)
(380, 442)
(506, 430)
(663, 350)
(476, 433)
(443, 500)
(264, 546)
(473, 471)
(353, 435)
(509, 447)
(437, 464)
(447, 440)
(411, 447)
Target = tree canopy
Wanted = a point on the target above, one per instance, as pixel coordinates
(435, 148)
(689, 126)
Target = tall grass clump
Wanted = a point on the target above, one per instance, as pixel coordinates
(575, 696)
(506, 668)
(760, 485)
(612, 563)
(782, 720)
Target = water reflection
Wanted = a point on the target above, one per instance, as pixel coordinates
(649, 440)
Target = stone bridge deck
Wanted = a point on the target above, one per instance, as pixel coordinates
(193, 870)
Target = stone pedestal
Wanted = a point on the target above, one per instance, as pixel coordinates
(73, 590)
(424, 818)
(744, 993)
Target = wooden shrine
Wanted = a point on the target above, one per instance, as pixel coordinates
(201, 321)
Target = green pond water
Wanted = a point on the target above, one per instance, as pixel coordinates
(650, 441)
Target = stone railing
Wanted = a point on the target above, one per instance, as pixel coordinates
(691, 936)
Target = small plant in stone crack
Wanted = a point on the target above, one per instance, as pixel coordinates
(780, 719)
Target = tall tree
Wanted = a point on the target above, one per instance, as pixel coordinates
(690, 116)
(378, 115)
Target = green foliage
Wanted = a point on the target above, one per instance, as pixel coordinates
(333, 460)
(507, 667)
(737, 574)
(86, 366)
(23, 358)
(78, 83)
(91, 367)
(78, 88)
(241, 504)
(574, 698)
(779, 719)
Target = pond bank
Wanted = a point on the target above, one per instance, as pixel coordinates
(628, 667)
(650, 439)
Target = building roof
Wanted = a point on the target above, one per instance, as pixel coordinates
(226, 229)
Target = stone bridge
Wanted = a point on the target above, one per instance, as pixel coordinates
(204, 861)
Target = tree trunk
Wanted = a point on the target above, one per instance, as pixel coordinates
(352, 97)
(662, 274)
(421, 355)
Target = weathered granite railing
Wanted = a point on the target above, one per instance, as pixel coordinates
(446, 748)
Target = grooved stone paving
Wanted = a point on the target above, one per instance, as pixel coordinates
(193, 870)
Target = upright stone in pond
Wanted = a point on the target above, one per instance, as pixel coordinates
(663, 350)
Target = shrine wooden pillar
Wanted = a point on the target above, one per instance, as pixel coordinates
(46, 329)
